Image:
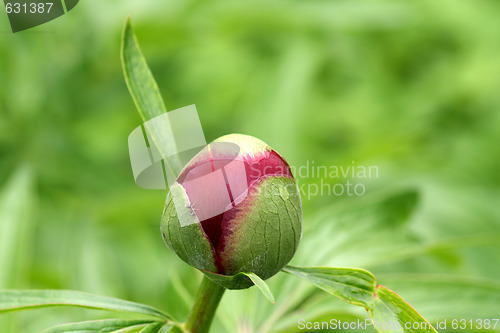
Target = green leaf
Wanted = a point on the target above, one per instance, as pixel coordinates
(389, 307)
(170, 328)
(152, 328)
(351, 284)
(362, 232)
(16, 300)
(131, 329)
(146, 94)
(359, 287)
(138, 76)
(155, 327)
(261, 285)
(482, 299)
(162, 328)
(105, 325)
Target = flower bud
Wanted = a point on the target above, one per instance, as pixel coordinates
(235, 208)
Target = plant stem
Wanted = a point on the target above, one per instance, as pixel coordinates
(205, 304)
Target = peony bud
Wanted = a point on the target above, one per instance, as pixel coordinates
(235, 208)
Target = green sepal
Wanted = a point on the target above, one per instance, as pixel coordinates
(232, 282)
(188, 239)
(265, 232)
(241, 281)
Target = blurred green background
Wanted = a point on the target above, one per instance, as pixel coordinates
(410, 87)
